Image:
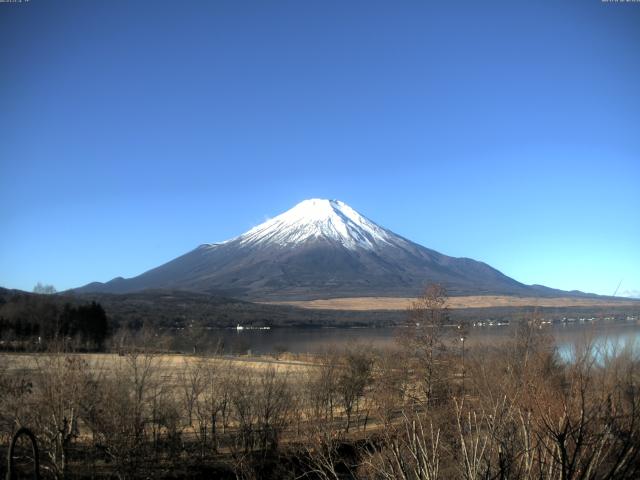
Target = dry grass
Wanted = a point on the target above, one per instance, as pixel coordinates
(168, 364)
(402, 303)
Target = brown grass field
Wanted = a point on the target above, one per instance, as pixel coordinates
(487, 301)
(167, 364)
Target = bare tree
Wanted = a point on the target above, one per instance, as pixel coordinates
(212, 406)
(423, 340)
(321, 452)
(17, 390)
(353, 377)
(273, 403)
(389, 386)
(410, 451)
(242, 399)
(129, 404)
(588, 425)
(192, 384)
(44, 289)
(61, 384)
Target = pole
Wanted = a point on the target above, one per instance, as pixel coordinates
(463, 372)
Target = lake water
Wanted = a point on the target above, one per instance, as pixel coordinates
(314, 340)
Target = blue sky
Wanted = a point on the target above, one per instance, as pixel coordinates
(509, 132)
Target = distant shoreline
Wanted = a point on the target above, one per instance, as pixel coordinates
(475, 301)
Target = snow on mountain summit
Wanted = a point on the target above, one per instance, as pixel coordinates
(319, 219)
(317, 249)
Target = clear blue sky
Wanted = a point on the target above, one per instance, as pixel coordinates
(509, 132)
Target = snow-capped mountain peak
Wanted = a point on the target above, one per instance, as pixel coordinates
(318, 249)
(317, 218)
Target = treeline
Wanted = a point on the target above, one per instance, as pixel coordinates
(172, 310)
(30, 322)
(177, 309)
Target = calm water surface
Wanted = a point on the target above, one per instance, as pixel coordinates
(607, 335)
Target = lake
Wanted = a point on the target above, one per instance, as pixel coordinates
(314, 340)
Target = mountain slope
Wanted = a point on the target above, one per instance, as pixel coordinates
(319, 249)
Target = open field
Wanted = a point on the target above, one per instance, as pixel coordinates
(167, 365)
(485, 301)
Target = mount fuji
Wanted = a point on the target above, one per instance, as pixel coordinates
(319, 249)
